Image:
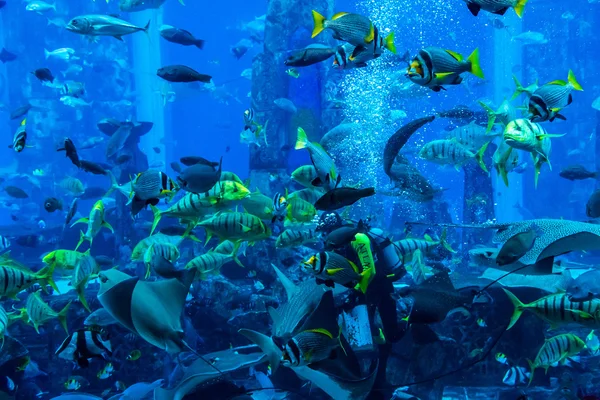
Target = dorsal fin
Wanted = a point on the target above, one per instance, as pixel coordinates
(289, 286)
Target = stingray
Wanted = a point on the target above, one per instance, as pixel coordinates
(557, 236)
(150, 309)
(199, 372)
(302, 300)
(434, 299)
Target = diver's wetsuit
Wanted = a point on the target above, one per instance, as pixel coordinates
(379, 294)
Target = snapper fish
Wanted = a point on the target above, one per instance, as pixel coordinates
(103, 25)
(355, 29)
(435, 67)
(548, 100)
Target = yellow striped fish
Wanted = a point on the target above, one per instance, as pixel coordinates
(558, 309)
(235, 226)
(230, 176)
(259, 205)
(95, 222)
(296, 237)
(15, 277)
(65, 259)
(556, 350)
(160, 238)
(305, 175)
(406, 247)
(39, 312)
(168, 251)
(208, 264)
(85, 269)
(299, 210)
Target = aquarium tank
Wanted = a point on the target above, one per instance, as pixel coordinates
(299, 199)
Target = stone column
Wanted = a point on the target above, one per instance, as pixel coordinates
(288, 26)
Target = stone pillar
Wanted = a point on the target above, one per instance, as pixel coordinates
(506, 55)
(288, 26)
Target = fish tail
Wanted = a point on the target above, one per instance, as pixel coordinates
(365, 278)
(537, 167)
(302, 140)
(319, 23)
(234, 252)
(520, 7)
(147, 27)
(46, 53)
(518, 90)
(157, 217)
(83, 238)
(479, 157)
(199, 44)
(82, 300)
(474, 62)
(573, 81)
(389, 43)
(46, 275)
(491, 116)
(444, 242)
(503, 173)
(62, 317)
(532, 366)
(519, 307)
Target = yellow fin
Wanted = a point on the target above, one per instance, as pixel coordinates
(321, 331)
(475, 67)
(573, 81)
(338, 15)
(319, 21)
(333, 271)
(441, 75)
(457, 56)
(519, 9)
(371, 36)
(302, 140)
(388, 43)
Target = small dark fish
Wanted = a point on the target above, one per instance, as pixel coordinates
(6, 56)
(398, 140)
(199, 178)
(458, 112)
(342, 236)
(108, 126)
(21, 111)
(29, 241)
(72, 211)
(52, 204)
(342, 197)
(516, 247)
(309, 56)
(93, 193)
(182, 73)
(43, 74)
(592, 208)
(176, 167)
(104, 261)
(193, 160)
(123, 158)
(14, 217)
(577, 173)
(239, 51)
(180, 36)
(156, 150)
(71, 151)
(16, 192)
(227, 149)
(93, 168)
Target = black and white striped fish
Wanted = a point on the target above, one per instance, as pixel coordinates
(82, 345)
(4, 243)
(548, 100)
(516, 375)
